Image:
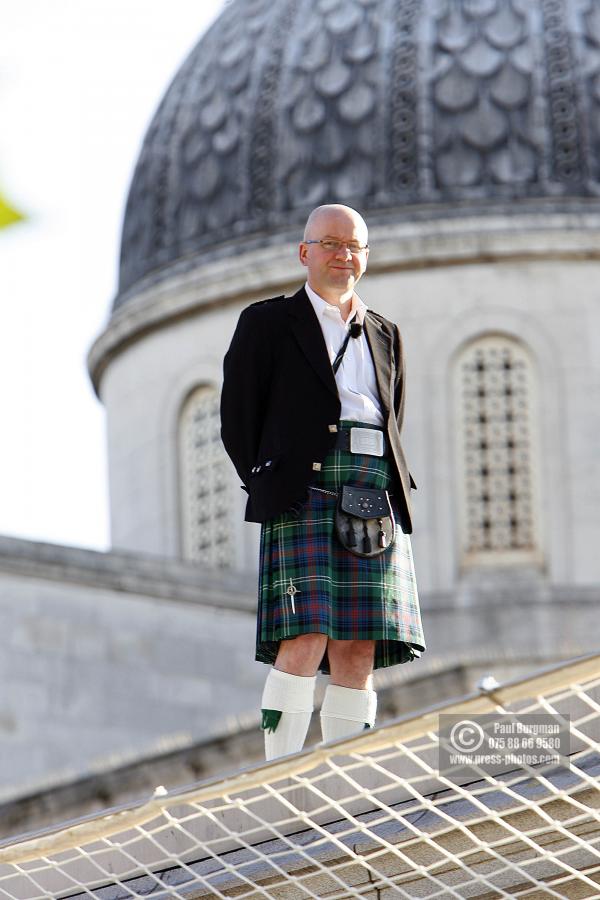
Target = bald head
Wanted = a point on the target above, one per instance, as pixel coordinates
(335, 251)
(332, 216)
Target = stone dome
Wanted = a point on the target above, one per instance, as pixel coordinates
(410, 108)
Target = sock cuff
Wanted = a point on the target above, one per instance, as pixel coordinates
(350, 703)
(288, 693)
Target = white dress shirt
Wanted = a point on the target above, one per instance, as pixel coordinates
(356, 382)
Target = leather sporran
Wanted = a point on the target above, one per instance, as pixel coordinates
(364, 521)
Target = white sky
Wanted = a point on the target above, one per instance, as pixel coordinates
(79, 83)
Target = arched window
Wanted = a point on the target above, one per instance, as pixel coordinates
(495, 391)
(206, 488)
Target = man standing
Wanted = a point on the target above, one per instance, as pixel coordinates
(312, 402)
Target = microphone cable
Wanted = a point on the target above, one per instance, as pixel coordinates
(354, 331)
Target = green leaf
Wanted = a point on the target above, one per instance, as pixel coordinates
(8, 214)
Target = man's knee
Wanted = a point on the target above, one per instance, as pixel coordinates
(351, 662)
(301, 655)
(358, 651)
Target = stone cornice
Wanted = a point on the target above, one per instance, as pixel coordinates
(251, 274)
(131, 573)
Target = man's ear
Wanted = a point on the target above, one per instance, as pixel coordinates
(302, 251)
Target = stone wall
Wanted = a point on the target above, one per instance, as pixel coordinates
(111, 655)
(106, 659)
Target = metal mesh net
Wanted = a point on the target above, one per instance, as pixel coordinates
(369, 817)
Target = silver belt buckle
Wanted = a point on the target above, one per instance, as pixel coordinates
(366, 440)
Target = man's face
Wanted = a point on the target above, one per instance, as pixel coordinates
(334, 273)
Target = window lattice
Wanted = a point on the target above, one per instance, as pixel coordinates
(496, 436)
(207, 501)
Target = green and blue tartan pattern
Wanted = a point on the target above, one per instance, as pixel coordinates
(308, 582)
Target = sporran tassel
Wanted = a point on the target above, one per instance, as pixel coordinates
(366, 539)
(351, 534)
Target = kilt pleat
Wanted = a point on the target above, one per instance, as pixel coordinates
(309, 583)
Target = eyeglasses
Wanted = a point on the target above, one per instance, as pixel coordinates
(332, 246)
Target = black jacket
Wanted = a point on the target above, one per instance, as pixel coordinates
(280, 398)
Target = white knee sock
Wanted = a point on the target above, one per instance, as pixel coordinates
(346, 711)
(293, 696)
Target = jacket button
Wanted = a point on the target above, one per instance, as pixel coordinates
(333, 428)
(316, 467)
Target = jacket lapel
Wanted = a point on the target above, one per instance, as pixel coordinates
(307, 332)
(380, 345)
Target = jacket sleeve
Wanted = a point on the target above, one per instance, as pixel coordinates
(246, 379)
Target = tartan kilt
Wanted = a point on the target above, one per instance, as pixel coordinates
(337, 593)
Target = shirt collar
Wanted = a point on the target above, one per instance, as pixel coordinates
(322, 307)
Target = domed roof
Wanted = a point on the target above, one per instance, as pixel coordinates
(388, 105)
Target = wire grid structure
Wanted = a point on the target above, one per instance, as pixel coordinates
(368, 817)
